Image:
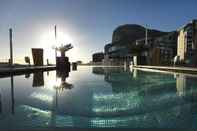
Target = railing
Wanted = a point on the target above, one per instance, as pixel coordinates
(4, 60)
(16, 61)
(20, 60)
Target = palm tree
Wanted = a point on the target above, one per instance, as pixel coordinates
(63, 49)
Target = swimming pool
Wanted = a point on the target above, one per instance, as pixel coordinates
(98, 97)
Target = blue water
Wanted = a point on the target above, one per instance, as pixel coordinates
(98, 97)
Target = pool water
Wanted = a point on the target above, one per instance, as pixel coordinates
(98, 97)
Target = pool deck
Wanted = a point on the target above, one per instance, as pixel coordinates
(7, 71)
(190, 70)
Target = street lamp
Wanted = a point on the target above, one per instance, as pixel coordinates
(11, 47)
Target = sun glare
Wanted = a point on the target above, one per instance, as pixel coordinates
(48, 41)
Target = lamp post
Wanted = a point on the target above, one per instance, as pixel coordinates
(11, 47)
(55, 40)
(146, 36)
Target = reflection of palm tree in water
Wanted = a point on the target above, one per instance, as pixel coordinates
(58, 88)
(63, 85)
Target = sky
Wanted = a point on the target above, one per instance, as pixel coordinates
(87, 24)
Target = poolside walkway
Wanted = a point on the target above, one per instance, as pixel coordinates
(5, 71)
(170, 68)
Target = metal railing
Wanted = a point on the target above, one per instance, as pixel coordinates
(15, 61)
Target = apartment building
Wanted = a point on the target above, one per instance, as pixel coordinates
(187, 42)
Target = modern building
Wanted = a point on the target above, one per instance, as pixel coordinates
(98, 57)
(144, 47)
(164, 49)
(187, 42)
(157, 50)
(37, 54)
(62, 62)
(152, 47)
(123, 46)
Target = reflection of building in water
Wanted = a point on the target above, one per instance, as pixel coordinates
(153, 96)
(47, 73)
(186, 88)
(116, 76)
(27, 75)
(120, 82)
(191, 90)
(74, 66)
(103, 107)
(12, 94)
(60, 86)
(181, 83)
(0, 104)
(135, 73)
(108, 72)
(98, 70)
(63, 84)
(38, 79)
